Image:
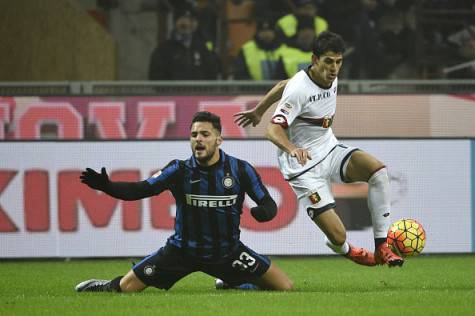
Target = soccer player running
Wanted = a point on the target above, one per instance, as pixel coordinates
(310, 157)
(209, 189)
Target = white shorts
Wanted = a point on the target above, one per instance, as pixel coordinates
(313, 187)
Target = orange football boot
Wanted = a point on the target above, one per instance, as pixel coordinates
(361, 256)
(384, 255)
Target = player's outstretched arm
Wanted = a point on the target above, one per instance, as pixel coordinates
(254, 116)
(94, 180)
(128, 191)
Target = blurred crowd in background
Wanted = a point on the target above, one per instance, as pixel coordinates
(272, 39)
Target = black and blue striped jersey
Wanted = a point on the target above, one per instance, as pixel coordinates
(209, 202)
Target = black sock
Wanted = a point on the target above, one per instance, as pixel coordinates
(379, 241)
(113, 285)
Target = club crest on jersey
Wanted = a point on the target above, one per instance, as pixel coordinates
(327, 121)
(228, 182)
(314, 197)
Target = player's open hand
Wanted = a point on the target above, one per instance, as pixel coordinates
(94, 180)
(301, 154)
(245, 118)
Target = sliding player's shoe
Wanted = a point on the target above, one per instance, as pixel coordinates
(384, 255)
(361, 256)
(221, 285)
(93, 286)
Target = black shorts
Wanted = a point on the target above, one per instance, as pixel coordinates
(169, 264)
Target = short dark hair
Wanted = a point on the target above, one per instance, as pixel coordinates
(328, 41)
(205, 116)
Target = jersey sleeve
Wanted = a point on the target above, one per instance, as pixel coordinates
(252, 184)
(165, 178)
(290, 105)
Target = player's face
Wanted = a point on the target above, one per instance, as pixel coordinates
(327, 66)
(205, 141)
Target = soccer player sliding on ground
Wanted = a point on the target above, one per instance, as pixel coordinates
(310, 157)
(209, 189)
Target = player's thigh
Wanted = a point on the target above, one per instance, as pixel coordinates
(274, 279)
(315, 196)
(163, 268)
(361, 166)
(242, 266)
(331, 225)
(313, 189)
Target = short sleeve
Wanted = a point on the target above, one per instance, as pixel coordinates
(290, 106)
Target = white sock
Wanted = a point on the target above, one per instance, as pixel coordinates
(379, 202)
(342, 249)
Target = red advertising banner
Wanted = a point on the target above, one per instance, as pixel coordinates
(75, 118)
(168, 117)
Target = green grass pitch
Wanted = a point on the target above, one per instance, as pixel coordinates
(426, 285)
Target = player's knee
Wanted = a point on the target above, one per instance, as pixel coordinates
(286, 285)
(130, 283)
(379, 176)
(289, 286)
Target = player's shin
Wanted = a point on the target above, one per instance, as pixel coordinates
(113, 285)
(379, 204)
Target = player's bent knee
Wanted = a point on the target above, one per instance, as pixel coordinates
(288, 286)
(131, 283)
(275, 280)
(283, 285)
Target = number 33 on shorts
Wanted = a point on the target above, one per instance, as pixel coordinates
(245, 262)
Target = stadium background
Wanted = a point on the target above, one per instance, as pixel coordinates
(57, 117)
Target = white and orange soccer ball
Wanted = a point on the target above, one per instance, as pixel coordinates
(406, 237)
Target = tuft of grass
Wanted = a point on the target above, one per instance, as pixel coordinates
(429, 285)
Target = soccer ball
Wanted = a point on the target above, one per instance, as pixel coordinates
(406, 237)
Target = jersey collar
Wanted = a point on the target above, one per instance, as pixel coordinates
(222, 158)
(307, 71)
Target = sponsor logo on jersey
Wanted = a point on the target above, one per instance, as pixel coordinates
(288, 106)
(314, 198)
(211, 200)
(284, 111)
(320, 96)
